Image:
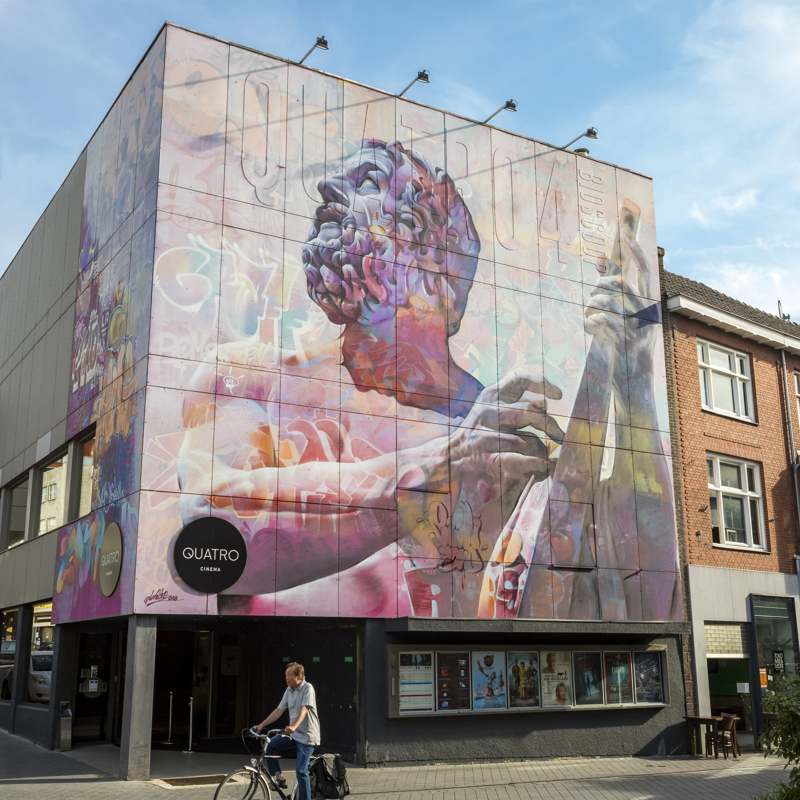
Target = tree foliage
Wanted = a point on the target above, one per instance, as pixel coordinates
(783, 738)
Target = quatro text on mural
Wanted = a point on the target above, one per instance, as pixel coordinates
(593, 222)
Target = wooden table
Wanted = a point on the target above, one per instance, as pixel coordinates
(694, 725)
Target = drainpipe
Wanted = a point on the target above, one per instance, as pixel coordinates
(791, 440)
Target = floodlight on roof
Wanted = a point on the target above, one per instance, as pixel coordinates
(510, 105)
(321, 43)
(423, 76)
(589, 133)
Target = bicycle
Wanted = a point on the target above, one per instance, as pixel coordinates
(254, 782)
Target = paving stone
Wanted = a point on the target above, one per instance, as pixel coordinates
(28, 771)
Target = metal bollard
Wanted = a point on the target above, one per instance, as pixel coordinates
(169, 739)
(191, 710)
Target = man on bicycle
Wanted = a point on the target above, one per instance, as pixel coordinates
(302, 733)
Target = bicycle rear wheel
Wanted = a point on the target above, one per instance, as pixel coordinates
(243, 785)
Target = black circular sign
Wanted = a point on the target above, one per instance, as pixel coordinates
(210, 555)
(110, 559)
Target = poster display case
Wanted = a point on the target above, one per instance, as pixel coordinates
(464, 679)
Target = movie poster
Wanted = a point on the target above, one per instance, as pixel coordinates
(556, 690)
(488, 680)
(522, 671)
(588, 677)
(416, 683)
(452, 681)
(619, 688)
(649, 684)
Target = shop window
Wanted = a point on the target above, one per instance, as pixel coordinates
(776, 639)
(734, 488)
(41, 657)
(87, 473)
(19, 509)
(8, 648)
(54, 483)
(725, 384)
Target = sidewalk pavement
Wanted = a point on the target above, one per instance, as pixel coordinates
(28, 771)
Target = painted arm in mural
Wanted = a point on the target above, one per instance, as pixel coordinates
(622, 316)
(321, 532)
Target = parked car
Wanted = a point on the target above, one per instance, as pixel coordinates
(39, 672)
(7, 651)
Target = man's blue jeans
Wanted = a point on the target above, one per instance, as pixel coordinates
(288, 747)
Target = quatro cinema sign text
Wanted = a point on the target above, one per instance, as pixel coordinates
(110, 559)
(210, 555)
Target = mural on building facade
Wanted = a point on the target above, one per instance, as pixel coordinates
(416, 361)
(112, 316)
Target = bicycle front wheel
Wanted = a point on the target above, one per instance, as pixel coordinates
(243, 785)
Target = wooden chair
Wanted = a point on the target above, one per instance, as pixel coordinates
(725, 736)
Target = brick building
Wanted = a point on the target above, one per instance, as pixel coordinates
(734, 379)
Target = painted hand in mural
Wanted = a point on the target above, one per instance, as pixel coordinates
(494, 444)
(638, 537)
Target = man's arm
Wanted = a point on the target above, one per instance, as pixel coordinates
(270, 719)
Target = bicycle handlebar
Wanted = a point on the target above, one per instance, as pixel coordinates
(268, 735)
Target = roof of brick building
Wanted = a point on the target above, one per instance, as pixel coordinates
(673, 285)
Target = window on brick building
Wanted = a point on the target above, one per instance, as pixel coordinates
(734, 489)
(797, 390)
(725, 384)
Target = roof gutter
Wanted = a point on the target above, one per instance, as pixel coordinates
(733, 324)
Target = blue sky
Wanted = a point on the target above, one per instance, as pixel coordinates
(703, 96)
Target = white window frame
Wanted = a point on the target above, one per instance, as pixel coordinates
(742, 397)
(716, 491)
(797, 391)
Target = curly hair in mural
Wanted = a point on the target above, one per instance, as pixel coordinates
(387, 219)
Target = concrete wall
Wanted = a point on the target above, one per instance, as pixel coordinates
(543, 734)
(718, 594)
(27, 571)
(37, 310)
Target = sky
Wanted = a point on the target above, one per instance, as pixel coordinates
(703, 96)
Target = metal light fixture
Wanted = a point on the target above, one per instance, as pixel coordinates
(423, 76)
(510, 105)
(321, 42)
(589, 133)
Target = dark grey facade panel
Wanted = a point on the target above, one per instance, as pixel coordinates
(37, 296)
(38, 388)
(50, 343)
(34, 275)
(47, 272)
(64, 365)
(73, 244)
(16, 387)
(21, 440)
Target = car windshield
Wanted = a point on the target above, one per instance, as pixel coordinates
(42, 663)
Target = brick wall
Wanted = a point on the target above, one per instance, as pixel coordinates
(726, 639)
(765, 442)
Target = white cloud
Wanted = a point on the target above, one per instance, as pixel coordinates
(698, 215)
(718, 132)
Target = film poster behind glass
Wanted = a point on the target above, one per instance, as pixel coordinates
(619, 688)
(588, 678)
(416, 682)
(649, 685)
(555, 679)
(522, 672)
(452, 681)
(488, 680)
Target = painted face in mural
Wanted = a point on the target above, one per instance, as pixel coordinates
(391, 256)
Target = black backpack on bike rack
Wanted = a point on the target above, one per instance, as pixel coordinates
(329, 777)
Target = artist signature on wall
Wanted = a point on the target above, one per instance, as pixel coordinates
(160, 596)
